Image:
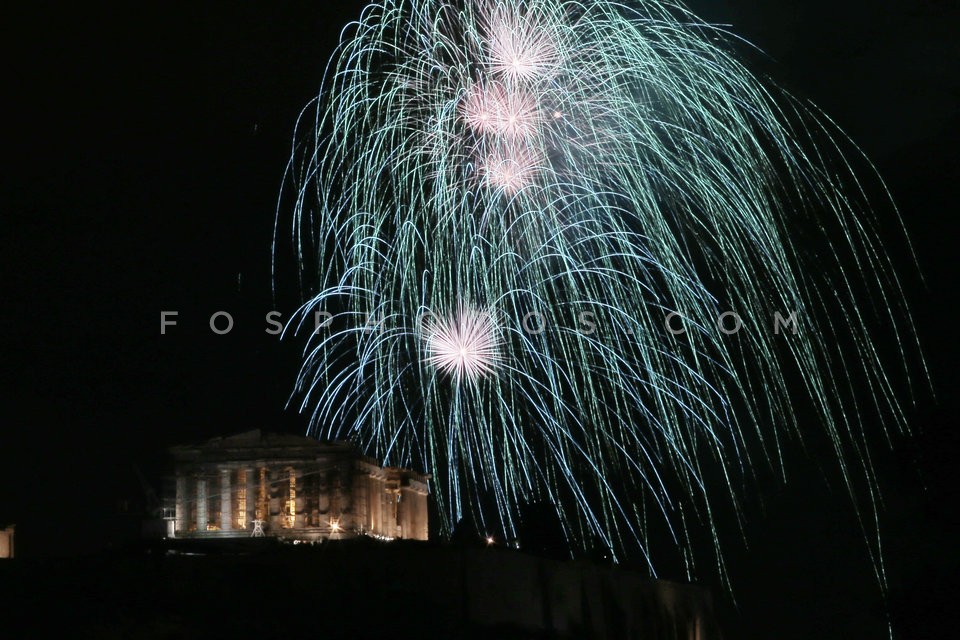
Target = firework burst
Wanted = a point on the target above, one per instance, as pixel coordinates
(495, 110)
(510, 169)
(519, 46)
(580, 171)
(463, 346)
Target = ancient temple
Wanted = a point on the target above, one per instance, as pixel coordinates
(290, 487)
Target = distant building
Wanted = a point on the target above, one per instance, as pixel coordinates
(6, 543)
(290, 487)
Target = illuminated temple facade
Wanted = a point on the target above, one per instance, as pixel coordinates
(290, 487)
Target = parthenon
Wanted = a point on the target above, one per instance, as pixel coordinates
(290, 487)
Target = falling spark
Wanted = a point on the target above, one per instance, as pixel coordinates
(647, 171)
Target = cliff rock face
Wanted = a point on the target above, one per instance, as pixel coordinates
(358, 588)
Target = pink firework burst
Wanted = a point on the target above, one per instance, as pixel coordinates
(510, 168)
(519, 116)
(480, 108)
(493, 109)
(465, 346)
(521, 47)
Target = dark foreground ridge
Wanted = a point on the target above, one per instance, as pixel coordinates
(260, 588)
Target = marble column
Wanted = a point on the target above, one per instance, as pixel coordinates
(201, 503)
(181, 512)
(226, 500)
(301, 502)
(253, 482)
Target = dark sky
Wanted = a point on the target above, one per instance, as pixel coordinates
(145, 147)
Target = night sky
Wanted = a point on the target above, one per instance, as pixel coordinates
(145, 148)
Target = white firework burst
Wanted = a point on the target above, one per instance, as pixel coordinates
(465, 345)
(521, 46)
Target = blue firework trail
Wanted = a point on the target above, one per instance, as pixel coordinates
(526, 218)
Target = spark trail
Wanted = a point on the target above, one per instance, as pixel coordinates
(518, 194)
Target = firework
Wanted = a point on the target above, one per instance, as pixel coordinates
(580, 172)
(465, 346)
